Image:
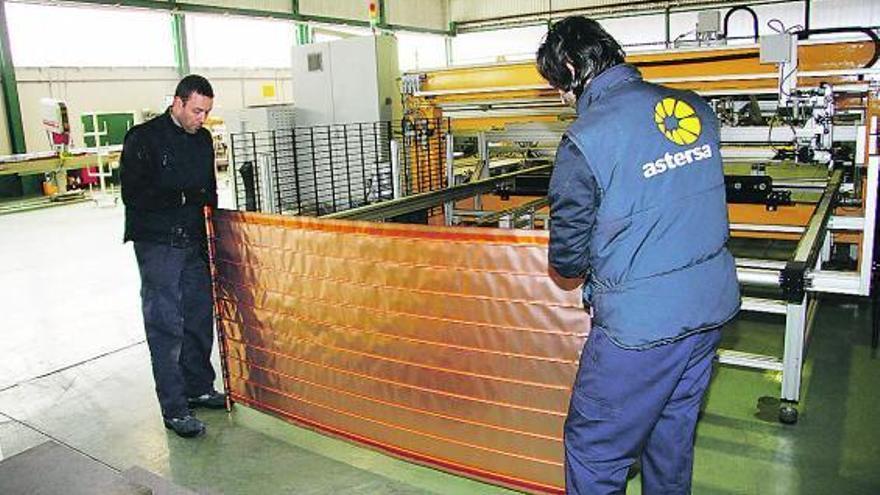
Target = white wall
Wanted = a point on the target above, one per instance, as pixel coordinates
(133, 89)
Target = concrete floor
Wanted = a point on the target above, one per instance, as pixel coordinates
(74, 368)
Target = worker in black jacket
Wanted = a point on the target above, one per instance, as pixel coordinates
(167, 174)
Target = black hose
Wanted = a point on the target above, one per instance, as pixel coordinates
(747, 9)
(704, 59)
(805, 33)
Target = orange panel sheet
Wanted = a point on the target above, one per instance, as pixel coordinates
(448, 347)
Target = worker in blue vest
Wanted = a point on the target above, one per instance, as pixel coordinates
(637, 209)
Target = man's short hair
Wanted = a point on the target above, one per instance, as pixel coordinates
(582, 43)
(193, 83)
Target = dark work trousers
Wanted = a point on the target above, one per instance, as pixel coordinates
(628, 404)
(178, 318)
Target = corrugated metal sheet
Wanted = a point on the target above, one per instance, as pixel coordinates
(282, 6)
(511, 12)
(429, 14)
(473, 10)
(346, 9)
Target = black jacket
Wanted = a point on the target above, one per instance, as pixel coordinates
(167, 177)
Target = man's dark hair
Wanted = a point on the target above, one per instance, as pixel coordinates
(582, 43)
(193, 83)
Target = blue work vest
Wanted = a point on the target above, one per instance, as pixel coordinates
(659, 266)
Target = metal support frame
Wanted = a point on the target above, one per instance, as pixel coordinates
(304, 34)
(792, 357)
(798, 304)
(449, 206)
(178, 37)
(10, 88)
(396, 176)
(511, 215)
(295, 15)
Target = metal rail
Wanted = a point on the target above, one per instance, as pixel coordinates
(402, 206)
(807, 252)
(514, 212)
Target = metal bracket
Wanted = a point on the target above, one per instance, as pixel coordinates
(793, 281)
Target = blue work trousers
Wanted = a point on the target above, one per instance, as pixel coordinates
(631, 404)
(178, 318)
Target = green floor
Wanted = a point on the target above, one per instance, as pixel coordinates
(74, 368)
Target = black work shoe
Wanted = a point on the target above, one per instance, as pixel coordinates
(210, 400)
(186, 426)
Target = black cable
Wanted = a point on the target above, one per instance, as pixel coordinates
(685, 61)
(742, 56)
(747, 9)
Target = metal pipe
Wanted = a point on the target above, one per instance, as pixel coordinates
(759, 263)
(756, 277)
(395, 168)
(807, 19)
(787, 229)
(276, 182)
(234, 167)
(449, 206)
(296, 171)
(332, 172)
(363, 162)
(348, 164)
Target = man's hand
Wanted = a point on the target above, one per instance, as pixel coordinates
(196, 197)
(564, 283)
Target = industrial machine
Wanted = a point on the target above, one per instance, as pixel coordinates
(476, 145)
(800, 135)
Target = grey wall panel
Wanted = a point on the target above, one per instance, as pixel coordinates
(346, 9)
(471, 10)
(429, 14)
(282, 6)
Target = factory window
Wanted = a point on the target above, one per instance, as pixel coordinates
(637, 33)
(497, 46)
(844, 13)
(420, 51)
(54, 36)
(229, 41)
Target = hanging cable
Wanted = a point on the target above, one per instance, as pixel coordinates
(747, 9)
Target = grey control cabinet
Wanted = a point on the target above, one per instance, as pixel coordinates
(345, 81)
